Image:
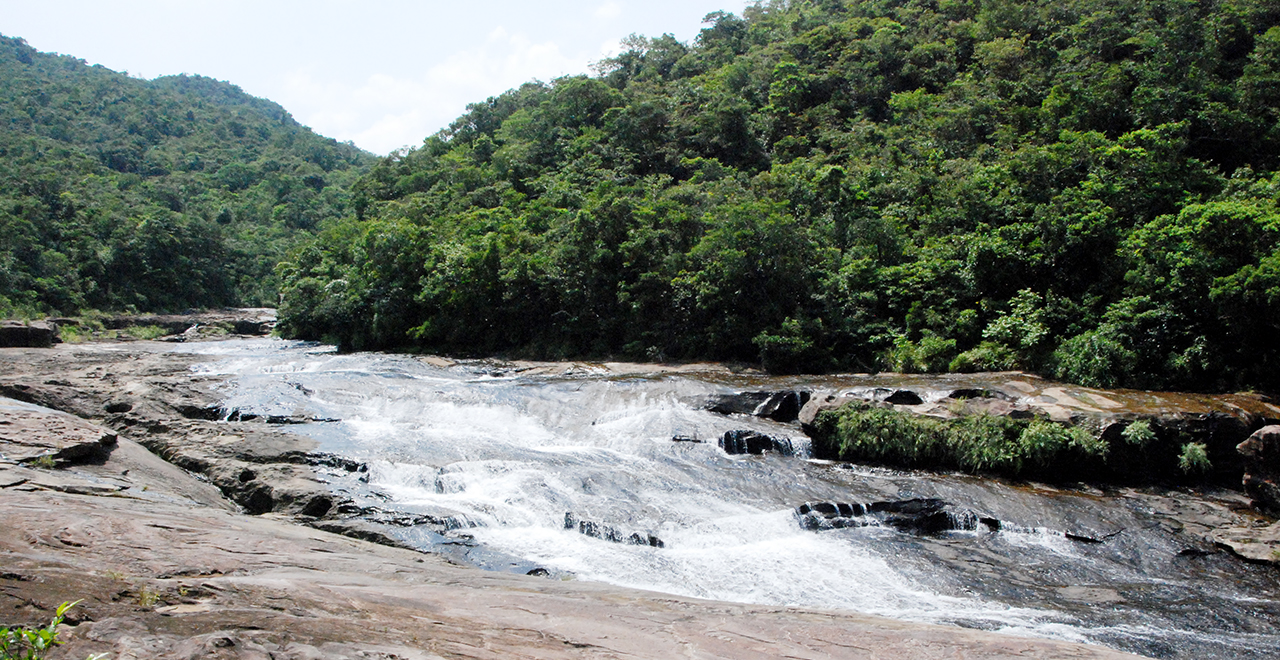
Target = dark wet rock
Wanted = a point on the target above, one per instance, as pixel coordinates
(598, 530)
(1086, 536)
(1261, 452)
(903, 398)
(686, 438)
(253, 327)
(744, 441)
(742, 403)
(238, 415)
(359, 529)
(116, 406)
(918, 516)
(335, 461)
(778, 406)
(34, 334)
(29, 433)
(208, 412)
(977, 393)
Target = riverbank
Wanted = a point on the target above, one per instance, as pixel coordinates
(168, 567)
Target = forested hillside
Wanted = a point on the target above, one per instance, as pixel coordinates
(1082, 187)
(155, 195)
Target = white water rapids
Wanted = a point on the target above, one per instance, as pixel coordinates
(507, 456)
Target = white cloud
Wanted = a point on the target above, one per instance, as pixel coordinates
(386, 112)
(611, 48)
(608, 10)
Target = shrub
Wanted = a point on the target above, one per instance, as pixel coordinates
(1194, 458)
(974, 443)
(32, 644)
(1138, 433)
(145, 331)
(987, 356)
(932, 354)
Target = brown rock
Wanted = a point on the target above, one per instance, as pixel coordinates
(232, 586)
(36, 334)
(28, 433)
(819, 403)
(1261, 452)
(1260, 545)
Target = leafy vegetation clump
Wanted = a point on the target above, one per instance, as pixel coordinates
(979, 444)
(119, 193)
(1139, 451)
(1194, 458)
(1084, 188)
(34, 643)
(145, 331)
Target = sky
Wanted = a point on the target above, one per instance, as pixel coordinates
(382, 74)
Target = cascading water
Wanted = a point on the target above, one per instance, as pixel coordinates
(537, 474)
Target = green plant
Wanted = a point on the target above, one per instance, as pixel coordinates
(979, 443)
(1194, 458)
(73, 334)
(931, 354)
(145, 331)
(148, 596)
(987, 356)
(32, 643)
(1138, 433)
(44, 461)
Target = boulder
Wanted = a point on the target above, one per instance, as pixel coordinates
(598, 530)
(902, 398)
(253, 327)
(1261, 452)
(917, 516)
(29, 434)
(977, 393)
(818, 404)
(779, 406)
(745, 441)
(19, 334)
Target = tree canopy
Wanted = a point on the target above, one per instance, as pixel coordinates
(155, 195)
(1086, 188)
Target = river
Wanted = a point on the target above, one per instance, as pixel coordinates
(484, 462)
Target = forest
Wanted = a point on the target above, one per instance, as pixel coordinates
(1086, 189)
(1082, 188)
(118, 193)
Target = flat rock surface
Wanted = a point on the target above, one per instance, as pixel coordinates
(29, 432)
(166, 580)
(1057, 401)
(1258, 543)
(168, 567)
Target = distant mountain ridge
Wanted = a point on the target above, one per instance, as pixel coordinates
(156, 195)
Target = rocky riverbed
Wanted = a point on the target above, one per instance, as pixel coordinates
(190, 531)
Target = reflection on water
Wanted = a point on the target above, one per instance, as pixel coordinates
(490, 462)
